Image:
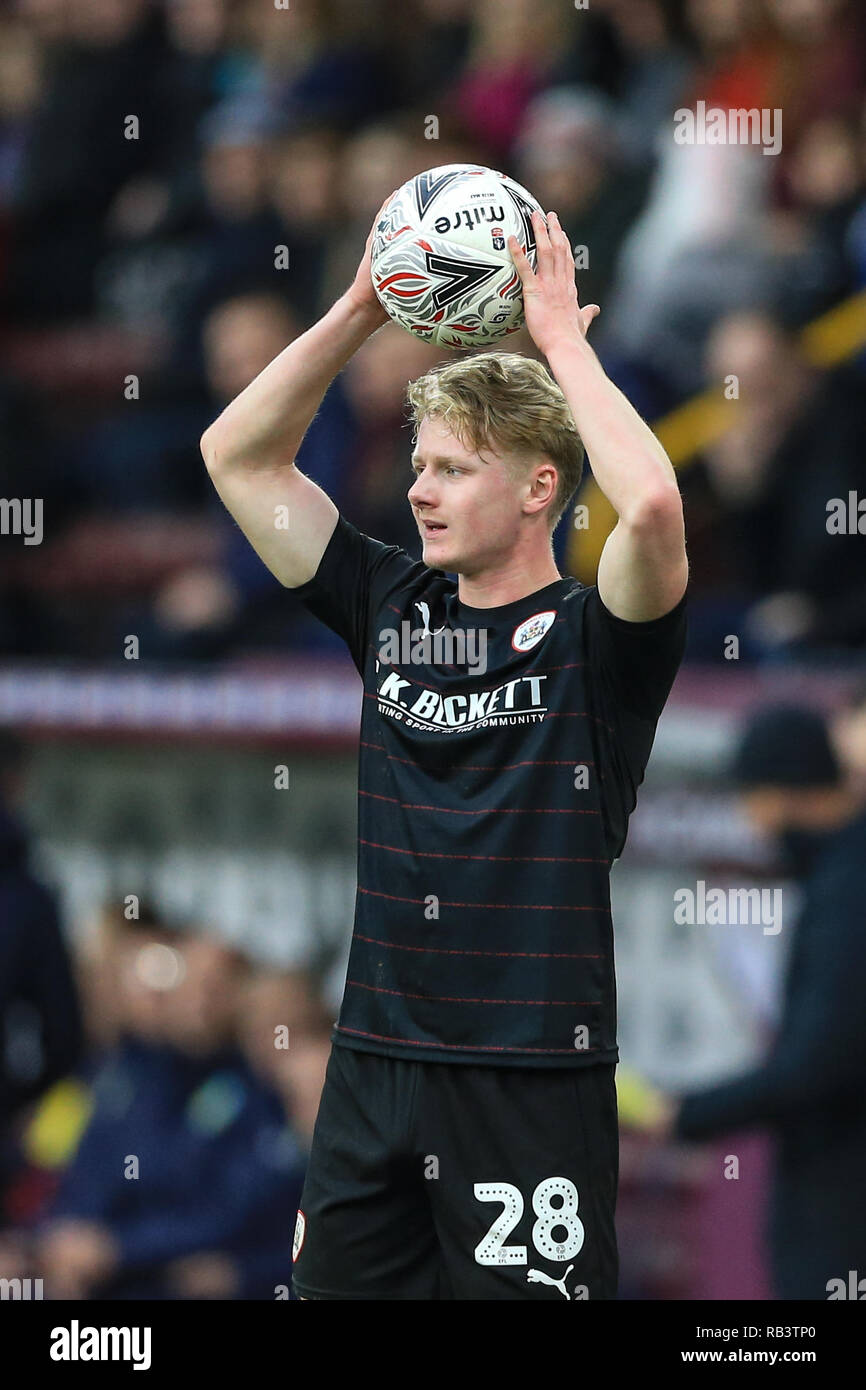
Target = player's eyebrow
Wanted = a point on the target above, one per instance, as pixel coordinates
(439, 458)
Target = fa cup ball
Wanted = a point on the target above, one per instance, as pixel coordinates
(440, 259)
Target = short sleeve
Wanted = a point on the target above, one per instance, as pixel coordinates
(639, 660)
(631, 668)
(355, 576)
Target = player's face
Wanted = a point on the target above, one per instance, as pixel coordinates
(467, 507)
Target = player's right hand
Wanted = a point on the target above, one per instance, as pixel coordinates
(361, 290)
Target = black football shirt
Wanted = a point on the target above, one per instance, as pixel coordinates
(500, 754)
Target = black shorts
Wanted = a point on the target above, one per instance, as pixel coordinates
(437, 1180)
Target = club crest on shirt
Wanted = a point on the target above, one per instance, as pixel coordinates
(530, 632)
(300, 1231)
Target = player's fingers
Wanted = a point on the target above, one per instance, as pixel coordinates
(554, 229)
(521, 260)
(560, 243)
(379, 215)
(588, 313)
(543, 248)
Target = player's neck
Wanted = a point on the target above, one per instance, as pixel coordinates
(516, 578)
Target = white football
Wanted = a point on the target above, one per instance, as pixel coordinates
(440, 259)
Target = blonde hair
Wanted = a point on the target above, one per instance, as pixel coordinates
(508, 402)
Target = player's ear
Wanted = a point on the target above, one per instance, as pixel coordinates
(544, 482)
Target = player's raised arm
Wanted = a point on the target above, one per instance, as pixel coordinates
(250, 448)
(643, 570)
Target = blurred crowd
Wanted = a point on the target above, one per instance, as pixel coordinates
(185, 185)
(158, 1092)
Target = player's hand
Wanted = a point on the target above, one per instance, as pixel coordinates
(550, 302)
(361, 291)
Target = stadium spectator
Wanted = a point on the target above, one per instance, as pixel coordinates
(103, 66)
(810, 1088)
(276, 1010)
(209, 1142)
(373, 160)
(794, 443)
(654, 67)
(825, 180)
(699, 249)
(236, 603)
(513, 51)
(321, 63)
(571, 154)
(40, 1017)
(429, 40)
(304, 187)
(21, 77)
(375, 382)
(848, 730)
(115, 999)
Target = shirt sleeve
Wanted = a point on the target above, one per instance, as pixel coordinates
(355, 576)
(631, 668)
(638, 660)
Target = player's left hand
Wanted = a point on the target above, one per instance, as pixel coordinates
(550, 301)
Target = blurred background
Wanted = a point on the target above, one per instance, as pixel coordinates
(174, 913)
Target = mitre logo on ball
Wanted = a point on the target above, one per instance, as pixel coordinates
(440, 260)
